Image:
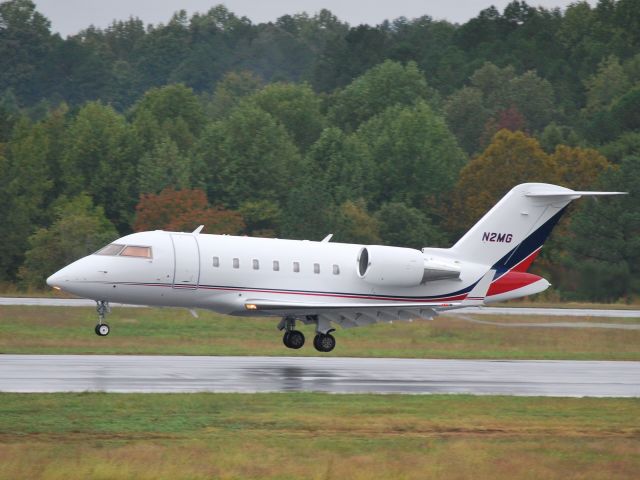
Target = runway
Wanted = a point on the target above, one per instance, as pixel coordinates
(175, 374)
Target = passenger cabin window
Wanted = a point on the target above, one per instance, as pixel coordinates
(111, 249)
(336, 269)
(316, 268)
(296, 267)
(216, 261)
(256, 264)
(276, 266)
(236, 263)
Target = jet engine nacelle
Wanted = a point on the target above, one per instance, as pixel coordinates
(391, 266)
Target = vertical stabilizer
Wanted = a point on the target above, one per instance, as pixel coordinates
(511, 234)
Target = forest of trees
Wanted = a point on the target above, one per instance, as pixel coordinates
(403, 133)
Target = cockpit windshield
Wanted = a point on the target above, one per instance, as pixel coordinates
(111, 249)
(115, 249)
(136, 251)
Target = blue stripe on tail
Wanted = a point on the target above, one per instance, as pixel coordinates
(527, 246)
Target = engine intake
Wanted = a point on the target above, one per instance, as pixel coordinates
(391, 266)
(402, 267)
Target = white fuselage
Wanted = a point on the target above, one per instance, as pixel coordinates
(220, 272)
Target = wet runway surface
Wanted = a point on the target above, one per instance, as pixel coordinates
(175, 374)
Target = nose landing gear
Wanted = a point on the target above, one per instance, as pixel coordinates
(103, 308)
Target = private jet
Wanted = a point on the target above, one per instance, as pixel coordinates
(325, 283)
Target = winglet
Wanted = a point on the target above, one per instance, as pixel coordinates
(478, 293)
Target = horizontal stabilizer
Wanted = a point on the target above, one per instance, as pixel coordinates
(565, 192)
(479, 292)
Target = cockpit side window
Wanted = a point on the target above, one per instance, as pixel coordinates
(136, 251)
(111, 249)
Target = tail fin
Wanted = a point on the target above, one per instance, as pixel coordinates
(510, 235)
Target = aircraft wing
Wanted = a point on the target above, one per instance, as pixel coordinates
(359, 314)
(349, 314)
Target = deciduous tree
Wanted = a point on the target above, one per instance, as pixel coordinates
(511, 158)
(342, 165)
(404, 226)
(354, 224)
(162, 167)
(296, 107)
(383, 86)
(25, 184)
(99, 158)
(414, 154)
(184, 210)
(79, 229)
(604, 241)
(249, 156)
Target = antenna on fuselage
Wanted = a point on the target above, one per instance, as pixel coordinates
(198, 230)
(327, 239)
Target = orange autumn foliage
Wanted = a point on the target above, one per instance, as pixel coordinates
(184, 210)
(510, 159)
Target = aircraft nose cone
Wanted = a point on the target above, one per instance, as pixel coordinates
(54, 280)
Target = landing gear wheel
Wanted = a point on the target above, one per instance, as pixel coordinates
(324, 342)
(102, 329)
(102, 307)
(293, 339)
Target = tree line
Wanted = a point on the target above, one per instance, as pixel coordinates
(401, 134)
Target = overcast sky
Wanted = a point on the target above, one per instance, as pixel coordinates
(70, 16)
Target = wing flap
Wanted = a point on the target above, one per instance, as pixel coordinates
(311, 308)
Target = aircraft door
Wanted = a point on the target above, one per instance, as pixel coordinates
(186, 274)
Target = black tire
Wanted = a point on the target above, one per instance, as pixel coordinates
(285, 339)
(295, 339)
(102, 330)
(324, 342)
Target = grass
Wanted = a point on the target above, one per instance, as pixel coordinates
(544, 303)
(302, 435)
(174, 331)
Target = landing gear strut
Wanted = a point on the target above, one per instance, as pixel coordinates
(292, 338)
(103, 308)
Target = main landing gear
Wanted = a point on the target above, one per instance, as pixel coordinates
(292, 338)
(103, 308)
(323, 341)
